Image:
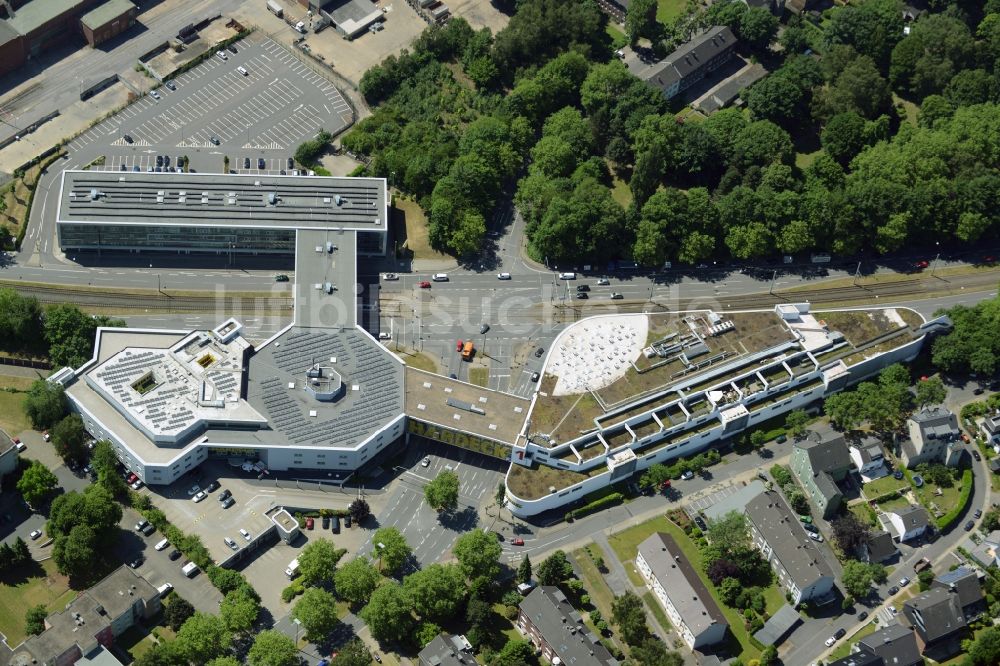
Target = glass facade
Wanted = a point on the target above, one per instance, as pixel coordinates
(220, 240)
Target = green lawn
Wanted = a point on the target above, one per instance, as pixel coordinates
(865, 513)
(136, 642)
(944, 502)
(618, 38)
(620, 192)
(804, 160)
(49, 588)
(657, 610)
(668, 10)
(600, 594)
(845, 647)
(626, 543)
(883, 486)
(893, 504)
(13, 420)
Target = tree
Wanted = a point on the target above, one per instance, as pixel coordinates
(652, 652)
(168, 654)
(239, 609)
(986, 648)
(318, 562)
(437, 591)
(991, 520)
(640, 20)
(273, 648)
(45, 404)
(104, 464)
(95, 507)
(769, 656)
(75, 553)
(426, 632)
(227, 580)
(308, 151)
(227, 660)
(442, 493)
(757, 27)
(655, 476)
(478, 612)
(389, 613)
(798, 501)
(34, 620)
(356, 580)
(202, 638)
(20, 317)
(36, 483)
(352, 653)
(391, 550)
(359, 510)
(515, 652)
(930, 391)
(776, 98)
(70, 333)
(554, 569)
(317, 612)
(925, 577)
(524, 570)
(69, 437)
(849, 533)
(873, 28)
(478, 553)
(857, 579)
(721, 569)
(796, 422)
(177, 612)
(844, 136)
(629, 614)
(729, 590)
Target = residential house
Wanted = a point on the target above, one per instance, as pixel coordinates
(93, 620)
(934, 436)
(895, 644)
(779, 535)
(879, 547)
(672, 578)
(819, 463)
(860, 658)
(935, 615)
(731, 91)
(691, 62)
(991, 427)
(987, 552)
(869, 459)
(447, 650)
(548, 620)
(907, 523)
(965, 583)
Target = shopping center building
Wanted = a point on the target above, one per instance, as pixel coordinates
(617, 394)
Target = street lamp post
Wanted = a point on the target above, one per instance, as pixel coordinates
(380, 547)
(936, 258)
(774, 277)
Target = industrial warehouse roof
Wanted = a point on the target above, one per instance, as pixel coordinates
(222, 200)
(105, 13)
(37, 13)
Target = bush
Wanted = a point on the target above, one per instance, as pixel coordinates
(608, 500)
(947, 519)
(292, 591)
(308, 151)
(782, 477)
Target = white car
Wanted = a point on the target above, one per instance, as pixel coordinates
(222, 54)
(503, 276)
(154, 94)
(815, 537)
(904, 581)
(200, 496)
(830, 641)
(390, 276)
(35, 534)
(687, 476)
(245, 534)
(426, 461)
(194, 489)
(137, 484)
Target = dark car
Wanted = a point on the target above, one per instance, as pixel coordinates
(975, 454)
(539, 352)
(170, 84)
(228, 502)
(978, 514)
(863, 615)
(582, 295)
(214, 140)
(212, 487)
(336, 525)
(291, 163)
(225, 494)
(347, 520)
(166, 160)
(484, 328)
(781, 439)
(232, 48)
(281, 278)
(582, 287)
(128, 138)
(840, 633)
(137, 562)
(534, 377)
(893, 590)
(326, 522)
(700, 522)
(260, 162)
(147, 530)
(969, 525)
(174, 554)
(159, 160)
(499, 536)
(246, 162)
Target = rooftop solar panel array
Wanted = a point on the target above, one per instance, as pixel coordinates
(373, 395)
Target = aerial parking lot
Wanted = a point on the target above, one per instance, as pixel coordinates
(243, 102)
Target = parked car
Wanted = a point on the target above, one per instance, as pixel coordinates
(893, 590)
(326, 522)
(309, 523)
(688, 475)
(975, 454)
(484, 329)
(969, 525)
(517, 541)
(141, 524)
(978, 514)
(281, 277)
(426, 461)
(539, 352)
(391, 277)
(174, 555)
(154, 94)
(260, 163)
(246, 162)
(863, 615)
(336, 525)
(904, 581)
(170, 83)
(35, 534)
(459, 345)
(815, 536)
(194, 490)
(347, 520)
(840, 633)
(222, 54)
(46, 436)
(137, 484)
(245, 534)
(535, 377)
(424, 285)
(228, 502)
(212, 487)
(225, 494)
(830, 641)
(215, 140)
(199, 496)
(137, 562)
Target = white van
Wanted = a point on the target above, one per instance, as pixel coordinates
(164, 589)
(567, 276)
(162, 545)
(243, 70)
(440, 277)
(300, 27)
(189, 569)
(293, 568)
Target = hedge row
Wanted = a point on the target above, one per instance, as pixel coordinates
(963, 499)
(191, 546)
(596, 505)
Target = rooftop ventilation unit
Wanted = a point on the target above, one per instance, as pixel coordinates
(338, 199)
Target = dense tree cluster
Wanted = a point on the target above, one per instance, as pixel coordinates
(885, 403)
(971, 346)
(83, 526)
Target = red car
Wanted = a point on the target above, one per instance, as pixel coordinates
(921, 265)
(309, 523)
(459, 345)
(517, 542)
(424, 285)
(132, 478)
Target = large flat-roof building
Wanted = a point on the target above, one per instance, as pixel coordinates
(690, 63)
(680, 591)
